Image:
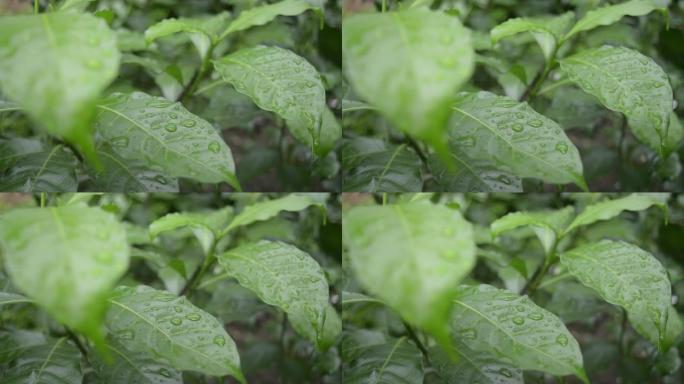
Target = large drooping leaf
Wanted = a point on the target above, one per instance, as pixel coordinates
(514, 138)
(408, 64)
(267, 209)
(625, 275)
(411, 255)
(164, 136)
(548, 31)
(371, 165)
(52, 362)
(264, 14)
(78, 60)
(203, 31)
(279, 81)
(67, 259)
(371, 357)
(608, 209)
(156, 322)
(610, 14)
(626, 81)
(205, 225)
(471, 175)
(548, 225)
(474, 367)
(27, 165)
(134, 367)
(513, 327)
(283, 276)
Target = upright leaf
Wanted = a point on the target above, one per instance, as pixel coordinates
(160, 324)
(206, 226)
(409, 64)
(54, 362)
(474, 366)
(513, 137)
(626, 81)
(67, 259)
(134, 367)
(548, 31)
(164, 136)
(548, 225)
(28, 166)
(279, 81)
(203, 31)
(411, 256)
(608, 209)
(471, 175)
(625, 275)
(268, 209)
(266, 13)
(511, 326)
(612, 13)
(78, 60)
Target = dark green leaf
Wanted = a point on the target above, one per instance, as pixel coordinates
(28, 166)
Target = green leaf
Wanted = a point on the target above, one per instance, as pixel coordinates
(331, 132)
(674, 133)
(203, 31)
(474, 367)
(266, 13)
(371, 357)
(13, 298)
(625, 275)
(515, 138)
(279, 81)
(626, 81)
(52, 362)
(134, 367)
(511, 326)
(471, 175)
(610, 14)
(332, 328)
(411, 256)
(548, 225)
(271, 208)
(164, 136)
(67, 259)
(409, 64)
(608, 209)
(78, 60)
(285, 277)
(371, 165)
(156, 322)
(548, 31)
(70, 5)
(206, 226)
(27, 166)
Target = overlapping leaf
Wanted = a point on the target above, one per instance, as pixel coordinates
(548, 31)
(134, 367)
(206, 226)
(52, 362)
(266, 13)
(608, 209)
(28, 165)
(268, 209)
(612, 13)
(548, 225)
(474, 367)
(471, 175)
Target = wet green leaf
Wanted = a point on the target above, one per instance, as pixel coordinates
(266, 13)
(608, 209)
(548, 225)
(134, 367)
(548, 31)
(474, 367)
(203, 31)
(52, 362)
(471, 175)
(206, 226)
(28, 165)
(612, 13)
(271, 208)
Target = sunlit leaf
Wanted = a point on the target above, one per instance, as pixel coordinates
(474, 367)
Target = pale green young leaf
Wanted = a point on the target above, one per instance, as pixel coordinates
(514, 137)
(548, 31)
(409, 64)
(264, 14)
(548, 225)
(626, 81)
(625, 275)
(411, 256)
(133, 367)
(28, 165)
(13, 298)
(474, 366)
(164, 136)
(505, 324)
(271, 208)
(608, 209)
(159, 323)
(67, 259)
(53, 362)
(612, 13)
(283, 276)
(206, 226)
(203, 31)
(78, 60)
(371, 165)
(279, 81)
(471, 175)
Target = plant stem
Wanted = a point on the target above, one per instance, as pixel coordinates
(197, 77)
(199, 272)
(42, 199)
(412, 335)
(534, 282)
(541, 76)
(384, 6)
(35, 6)
(78, 343)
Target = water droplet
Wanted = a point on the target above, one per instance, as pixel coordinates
(178, 309)
(535, 123)
(93, 64)
(468, 333)
(562, 148)
(214, 147)
(219, 340)
(119, 141)
(176, 321)
(504, 179)
(466, 141)
(171, 127)
(310, 84)
(188, 123)
(160, 179)
(193, 316)
(517, 127)
(536, 316)
(125, 334)
(505, 372)
(159, 104)
(165, 372)
(562, 340)
(519, 115)
(520, 308)
(518, 320)
(173, 115)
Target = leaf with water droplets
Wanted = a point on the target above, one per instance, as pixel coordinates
(136, 128)
(271, 208)
(371, 357)
(67, 259)
(203, 31)
(45, 362)
(409, 64)
(625, 275)
(470, 175)
(474, 366)
(206, 226)
(159, 323)
(133, 367)
(626, 81)
(279, 81)
(515, 328)
(674, 133)
(411, 256)
(371, 165)
(612, 13)
(283, 276)
(608, 209)
(548, 31)
(78, 60)
(264, 14)
(514, 138)
(548, 225)
(28, 166)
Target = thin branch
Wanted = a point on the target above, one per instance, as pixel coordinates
(412, 335)
(78, 343)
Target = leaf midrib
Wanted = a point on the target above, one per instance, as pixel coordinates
(47, 359)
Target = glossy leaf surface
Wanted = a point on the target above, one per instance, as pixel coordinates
(610, 14)
(608, 209)
(266, 13)
(268, 209)
(134, 367)
(548, 31)
(203, 31)
(472, 175)
(474, 367)
(52, 362)
(206, 225)
(28, 165)
(549, 225)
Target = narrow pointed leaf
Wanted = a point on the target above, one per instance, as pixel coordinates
(470, 175)
(548, 31)
(474, 366)
(279, 81)
(610, 14)
(626, 81)
(156, 322)
(271, 208)
(409, 64)
(625, 275)
(134, 367)
(54, 362)
(608, 209)
(411, 256)
(515, 138)
(266, 13)
(78, 60)
(164, 136)
(511, 326)
(67, 259)
(27, 166)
